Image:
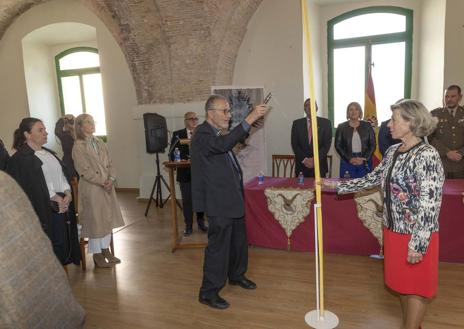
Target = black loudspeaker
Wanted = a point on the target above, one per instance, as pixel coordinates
(156, 132)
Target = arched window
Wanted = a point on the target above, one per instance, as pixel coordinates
(379, 38)
(80, 86)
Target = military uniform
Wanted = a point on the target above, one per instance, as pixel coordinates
(449, 135)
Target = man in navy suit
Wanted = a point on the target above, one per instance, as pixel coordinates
(217, 189)
(183, 174)
(302, 143)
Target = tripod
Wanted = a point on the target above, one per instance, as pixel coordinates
(157, 186)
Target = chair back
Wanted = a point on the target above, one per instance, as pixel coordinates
(283, 165)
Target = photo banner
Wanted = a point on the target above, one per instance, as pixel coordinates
(250, 152)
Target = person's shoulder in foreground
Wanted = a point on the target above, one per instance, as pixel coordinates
(22, 282)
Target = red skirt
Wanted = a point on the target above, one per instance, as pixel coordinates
(419, 279)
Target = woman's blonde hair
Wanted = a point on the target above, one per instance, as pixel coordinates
(421, 122)
(79, 123)
(358, 107)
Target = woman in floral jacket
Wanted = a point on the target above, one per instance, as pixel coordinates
(411, 176)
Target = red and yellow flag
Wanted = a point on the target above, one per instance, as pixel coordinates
(370, 114)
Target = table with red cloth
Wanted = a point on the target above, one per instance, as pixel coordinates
(344, 232)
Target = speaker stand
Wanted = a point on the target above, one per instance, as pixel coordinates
(157, 186)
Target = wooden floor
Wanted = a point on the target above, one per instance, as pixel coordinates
(154, 288)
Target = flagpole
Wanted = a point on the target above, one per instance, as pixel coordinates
(319, 318)
(370, 114)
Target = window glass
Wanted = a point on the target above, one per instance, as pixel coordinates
(72, 95)
(79, 60)
(348, 80)
(94, 101)
(388, 76)
(369, 24)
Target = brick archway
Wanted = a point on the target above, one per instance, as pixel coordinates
(175, 53)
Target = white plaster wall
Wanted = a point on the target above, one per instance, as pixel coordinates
(432, 53)
(118, 88)
(454, 44)
(271, 54)
(40, 82)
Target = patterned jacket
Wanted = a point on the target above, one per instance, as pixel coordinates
(412, 183)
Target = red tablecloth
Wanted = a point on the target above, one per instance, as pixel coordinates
(344, 232)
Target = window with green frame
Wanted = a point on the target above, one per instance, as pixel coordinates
(80, 86)
(376, 38)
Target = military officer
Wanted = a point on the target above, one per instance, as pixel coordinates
(448, 138)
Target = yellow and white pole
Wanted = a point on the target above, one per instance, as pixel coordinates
(319, 318)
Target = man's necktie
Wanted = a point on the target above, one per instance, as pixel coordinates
(310, 133)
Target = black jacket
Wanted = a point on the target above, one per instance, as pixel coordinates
(67, 143)
(4, 156)
(302, 149)
(217, 185)
(344, 135)
(26, 169)
(385, 138)
(183, 174)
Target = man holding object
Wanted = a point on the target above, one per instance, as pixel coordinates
(217, 189)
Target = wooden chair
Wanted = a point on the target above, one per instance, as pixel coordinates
(283, 165)
(83, 242)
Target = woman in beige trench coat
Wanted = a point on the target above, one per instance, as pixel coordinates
(99, 210)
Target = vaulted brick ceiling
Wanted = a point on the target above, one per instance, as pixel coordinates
(175, 49)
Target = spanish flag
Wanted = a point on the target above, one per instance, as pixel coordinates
(370, 114)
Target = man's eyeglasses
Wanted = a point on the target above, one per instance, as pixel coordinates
(223, 111)
(192, 119)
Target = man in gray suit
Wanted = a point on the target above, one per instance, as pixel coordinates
(217, 189)
(448, 137)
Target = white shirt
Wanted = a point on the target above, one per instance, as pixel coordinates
(53, 173)
(356, 146)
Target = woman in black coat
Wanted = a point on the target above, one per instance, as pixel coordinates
(42, 177)
(355, 143)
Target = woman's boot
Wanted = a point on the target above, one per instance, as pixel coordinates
(100, 261)
(111, 258)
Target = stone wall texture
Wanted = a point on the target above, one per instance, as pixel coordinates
(175, 49)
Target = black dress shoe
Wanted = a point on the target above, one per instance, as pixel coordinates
(202, 227)
(187, 231)
(214, 302)
(244, 283)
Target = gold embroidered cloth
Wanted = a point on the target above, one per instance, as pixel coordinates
(369, 205)
(289, 206)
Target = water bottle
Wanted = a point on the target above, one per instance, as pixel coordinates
(300, 178)
(176, 154)
(347, 175)
(261, 178)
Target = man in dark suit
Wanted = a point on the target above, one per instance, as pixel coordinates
(217, 189)
(385, 137)
(302, 143)
(183, 174)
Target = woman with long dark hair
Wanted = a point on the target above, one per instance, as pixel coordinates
(40, 174)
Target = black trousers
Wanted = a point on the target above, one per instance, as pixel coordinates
(226, 254)
(186, 192)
